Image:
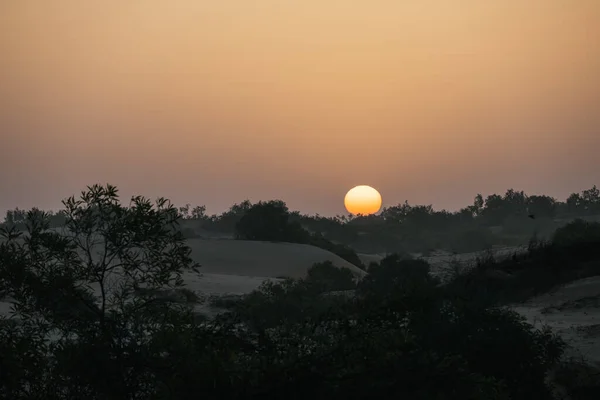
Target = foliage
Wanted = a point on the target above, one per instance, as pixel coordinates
(464, 325)
(395, 276)
(579, 379)
(573, 253)
(292, 300)
(328, 278)
(382, 341)
(345, 252)
(98, 334)
(496, 219)
(97, 289)
(577, 232)
(271, 221)
(585, 203)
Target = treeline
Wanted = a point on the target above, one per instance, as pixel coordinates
(503, 220)
(509, 219)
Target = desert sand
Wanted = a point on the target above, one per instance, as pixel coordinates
(263, 259)
(573, 312)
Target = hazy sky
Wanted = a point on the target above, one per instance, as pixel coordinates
(212, 102)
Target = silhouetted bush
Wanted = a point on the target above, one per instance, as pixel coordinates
(345, 252)
(580, 380)
(96, 343)
(329, 278)
(394, 276)
(270, 221)
(403, 335)
(577, 232)
(573, 253)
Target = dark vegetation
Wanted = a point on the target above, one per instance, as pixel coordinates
(271, 221)
(502, 220)
(496, 220)
(572, 253)
(397, 333)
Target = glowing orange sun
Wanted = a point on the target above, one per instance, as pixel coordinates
(362, 200)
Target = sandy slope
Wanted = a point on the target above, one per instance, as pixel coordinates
(266, 259)
(572, 311)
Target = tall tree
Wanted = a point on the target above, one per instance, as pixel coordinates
(80, 286)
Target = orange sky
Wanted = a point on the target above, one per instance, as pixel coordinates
(212, 102)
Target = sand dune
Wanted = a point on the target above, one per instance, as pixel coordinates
(573, 312)
(264, 259)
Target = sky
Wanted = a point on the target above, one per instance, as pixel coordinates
(214, 102)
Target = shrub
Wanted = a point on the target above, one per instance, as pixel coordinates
(494, 342)
(579, 379)
(399, 278)
(573, 253)
(98, 341)
(269, 221)
(329, 278)
(344, 252)
(404, 335)
(577, 232)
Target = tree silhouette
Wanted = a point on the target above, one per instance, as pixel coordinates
(270, 221)
(100, 334)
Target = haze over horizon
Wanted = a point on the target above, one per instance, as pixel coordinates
(213, 102)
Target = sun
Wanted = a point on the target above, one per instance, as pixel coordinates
(363, 200)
